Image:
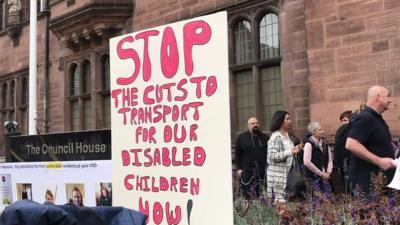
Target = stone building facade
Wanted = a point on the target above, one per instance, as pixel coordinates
(313, 58)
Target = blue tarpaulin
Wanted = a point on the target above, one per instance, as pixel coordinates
(28, 212)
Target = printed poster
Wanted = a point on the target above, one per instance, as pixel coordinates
(85, 183)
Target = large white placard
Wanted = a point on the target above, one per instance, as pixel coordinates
(171, 124)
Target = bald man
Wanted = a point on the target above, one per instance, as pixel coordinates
(251, 157)
(369, 141)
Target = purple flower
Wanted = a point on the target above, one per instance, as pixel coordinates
(263, 201)
(253, 190)
(315, 202)
(273, 196)
(392, 203)
(327, 189)
(353, 214)
(316, 187)
(254, 186)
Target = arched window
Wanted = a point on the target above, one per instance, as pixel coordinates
(3, 103)
(256, 77)
(12, 100)
(80, 96)
(74, 90)
(74, 81)
(25, 92)
(12, 94)
(4, 96)
(2, 14)
(89, 92)
(105, 94)
(87, 112)
(244, 97)
(271, 92)
(269, 37)
(86, 89)
(23, 120)
(75, 123)
(105, 71)
(86, 75)
(242, 42)
(271, 86)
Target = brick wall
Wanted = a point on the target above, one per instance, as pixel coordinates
(295, 63)
(352, 44)
(151, 13)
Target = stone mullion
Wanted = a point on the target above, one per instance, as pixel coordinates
(255, 70)
(93, 93)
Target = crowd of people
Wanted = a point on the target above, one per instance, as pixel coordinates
(363, 147)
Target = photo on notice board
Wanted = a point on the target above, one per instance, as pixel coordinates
(50, 194)
(104, 194)
(75, 194)
(24, 191)
(5, 190)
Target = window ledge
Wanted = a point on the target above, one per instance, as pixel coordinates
(91, 24)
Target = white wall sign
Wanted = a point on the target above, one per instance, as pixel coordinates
(55, 182)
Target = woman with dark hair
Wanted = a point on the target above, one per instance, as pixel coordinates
(105, 197)
(280, 155)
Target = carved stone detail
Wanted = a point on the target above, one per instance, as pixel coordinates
(14, 26)
(93, 24)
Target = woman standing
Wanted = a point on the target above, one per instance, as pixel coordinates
(317, 158)
(105, 197)
(280, 155)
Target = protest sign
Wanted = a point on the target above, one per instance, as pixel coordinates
(171, 146)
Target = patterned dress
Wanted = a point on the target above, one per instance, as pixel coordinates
(279, 160)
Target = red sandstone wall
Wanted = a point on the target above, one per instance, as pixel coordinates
(352, 44)
(294, 63)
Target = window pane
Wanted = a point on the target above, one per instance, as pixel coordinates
(4, 96)
(75, 115)
(24, 122)
(86, 76)
(88, 114)
(12, 94)
(107, 112)
(2, 15)
(106, 73)
(74, 86)
(39, 6)
(269, 37)
(271, 93)
(12, 115)
(25, 92)
(3, 118)
(244, 98)
(242, 42)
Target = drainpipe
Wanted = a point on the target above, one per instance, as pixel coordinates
(47, 13)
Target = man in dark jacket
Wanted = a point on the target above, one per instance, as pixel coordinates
(341, 154)
(250, 158)
(369, 141)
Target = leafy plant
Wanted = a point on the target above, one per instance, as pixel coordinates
(380, 207)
